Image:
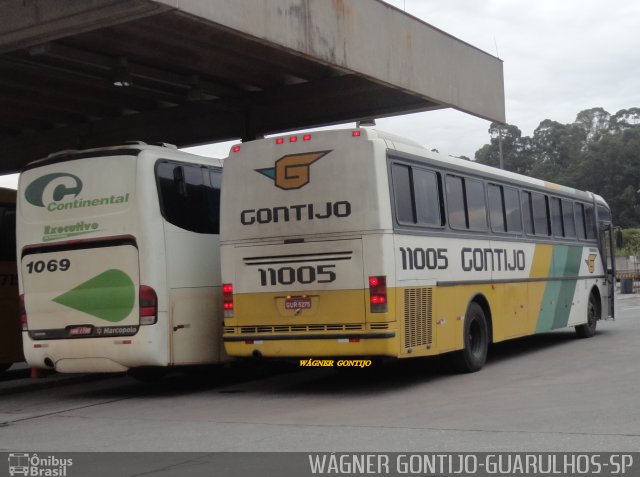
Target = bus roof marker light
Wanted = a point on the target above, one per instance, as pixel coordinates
(306, 137)
(280, 140)
(293, 139)
(355, 133)
(236, 148)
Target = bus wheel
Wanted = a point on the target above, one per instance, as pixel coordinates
(588, 329)
(476, 342)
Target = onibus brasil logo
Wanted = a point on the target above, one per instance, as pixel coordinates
(34, 465)
(292, 171)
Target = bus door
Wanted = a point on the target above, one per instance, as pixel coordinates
(607, 253)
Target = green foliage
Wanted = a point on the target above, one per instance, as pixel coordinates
(598, 152)
(631, 239)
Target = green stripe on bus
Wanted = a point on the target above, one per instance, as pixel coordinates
(558, 295)
(109, 296)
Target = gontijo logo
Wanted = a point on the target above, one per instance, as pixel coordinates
(292, 171)
(591, 262)
(68, 184)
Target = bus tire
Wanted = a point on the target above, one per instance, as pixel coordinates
(476, 342)
(588, 329)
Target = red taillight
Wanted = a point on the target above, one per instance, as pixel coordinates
(235, 148)
(148, 305)
(23, 314)
(227, 299)
(378, 294)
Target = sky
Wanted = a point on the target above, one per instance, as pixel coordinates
(560, 57)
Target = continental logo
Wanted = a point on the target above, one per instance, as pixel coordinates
(292, 171)
(51, 190)
(62, 185)
(591, 262)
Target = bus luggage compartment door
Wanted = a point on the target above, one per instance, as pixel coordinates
(88, 292)
(300, 284)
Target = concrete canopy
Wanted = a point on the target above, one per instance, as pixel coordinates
(200, 71)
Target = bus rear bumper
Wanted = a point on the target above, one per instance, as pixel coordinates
(312, 345)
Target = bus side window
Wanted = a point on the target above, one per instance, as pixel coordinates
(476, 204)
(401, 176)
(590, 222)
(540, 214)
(527, 212)
(568, 219)
(556, 217)
(466, 203)
(512, 210)
(496, 208)
(455, 202)
(579, 210)
(504, 209)
(426, 188)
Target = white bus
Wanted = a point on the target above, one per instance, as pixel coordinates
(359, 243)
(118, 259)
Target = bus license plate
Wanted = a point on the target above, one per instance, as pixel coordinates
(80, 330)
(297, 303)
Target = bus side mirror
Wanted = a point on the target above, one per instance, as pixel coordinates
(619, 239)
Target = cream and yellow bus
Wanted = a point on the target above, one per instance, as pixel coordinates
(10, 339)
(358, 243)
(118, 263)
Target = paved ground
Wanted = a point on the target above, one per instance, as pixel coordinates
(550, 392)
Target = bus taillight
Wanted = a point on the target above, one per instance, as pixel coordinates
(378, 294)
(227, 299)
(148, 305)
(23, 314)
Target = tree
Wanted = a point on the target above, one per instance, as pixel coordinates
(597, 152)
(515, 149)
(594, 122)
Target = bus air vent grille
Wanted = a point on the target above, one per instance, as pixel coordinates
(418, 317)
(379, 326)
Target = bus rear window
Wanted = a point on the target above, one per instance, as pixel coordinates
(190, 196)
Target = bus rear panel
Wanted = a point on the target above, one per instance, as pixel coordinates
(302, 254)
(107, 284)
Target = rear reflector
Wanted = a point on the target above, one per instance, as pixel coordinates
(378, 294)
(148, 305)
(23, 314)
